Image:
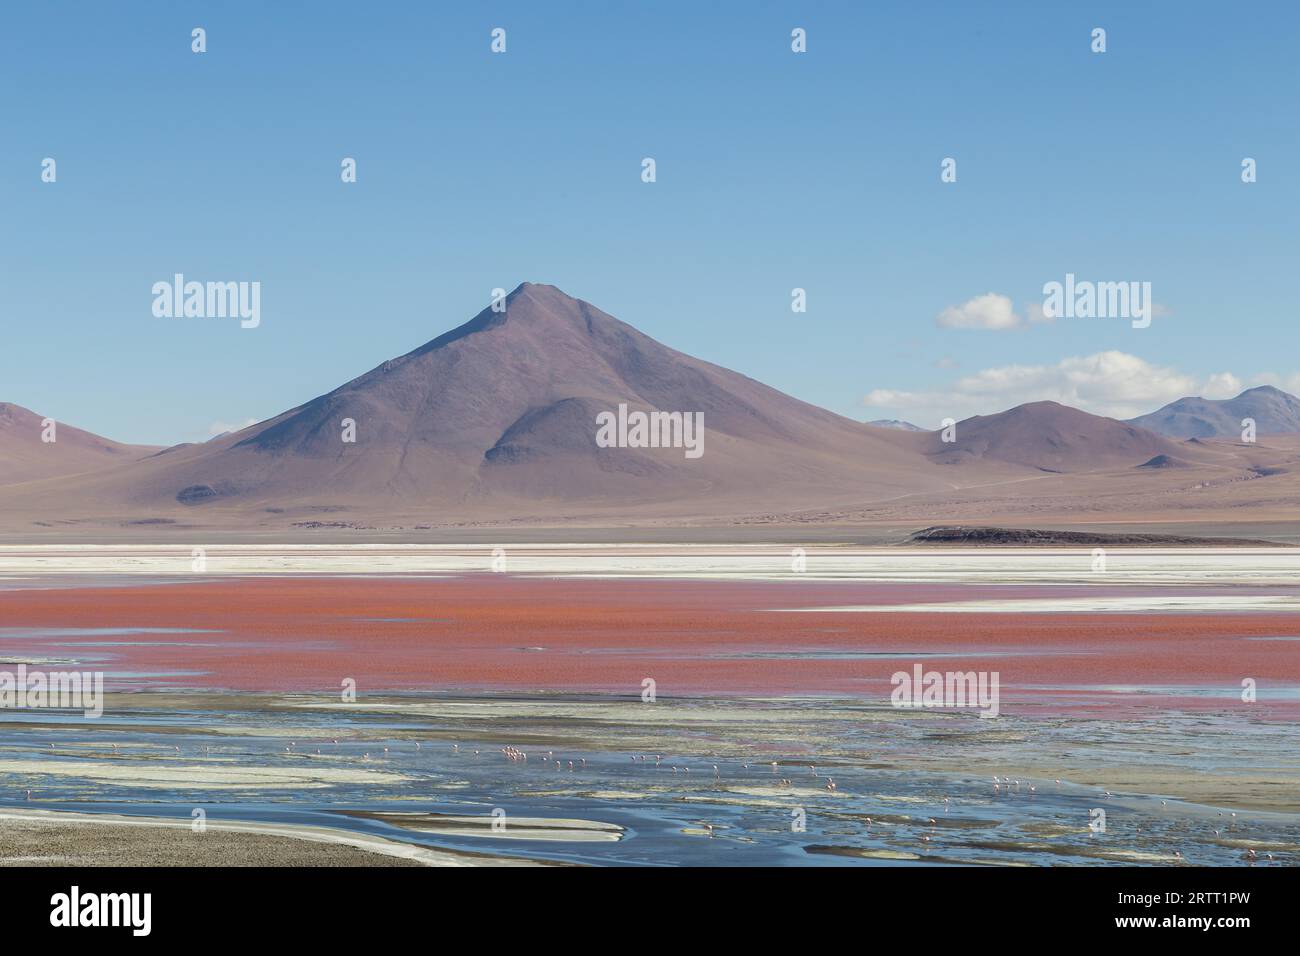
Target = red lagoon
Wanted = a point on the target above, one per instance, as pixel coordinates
(499, 632)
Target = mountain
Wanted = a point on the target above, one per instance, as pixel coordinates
(1274, 412)
(500, 417)
(24, 456)
(896, 423)
(1050, 437)
(504, 421)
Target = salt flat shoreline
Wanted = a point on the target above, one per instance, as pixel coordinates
(53, 564)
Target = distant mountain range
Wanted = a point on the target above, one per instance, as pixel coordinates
(496, 422)
(896, 423)
(1274, 411)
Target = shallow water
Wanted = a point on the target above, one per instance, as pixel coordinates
(905, 794)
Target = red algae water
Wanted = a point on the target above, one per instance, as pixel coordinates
(500, 632)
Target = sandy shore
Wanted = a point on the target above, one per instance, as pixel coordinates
(52, 838)
(545, 829)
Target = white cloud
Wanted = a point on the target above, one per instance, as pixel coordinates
(1111, 383)
(220, 428)
(995, 312)
(988, 311)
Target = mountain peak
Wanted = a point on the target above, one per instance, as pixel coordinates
(540, 287)
(542, 294)
(896, 424)
(1273, 410)
(1264, 390)
(1051, 437)
(531, 302)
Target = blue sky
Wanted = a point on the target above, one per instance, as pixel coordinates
(775, 170)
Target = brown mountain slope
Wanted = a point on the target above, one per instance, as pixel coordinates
(1052, 438)
(24, 456)
(498, 418)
